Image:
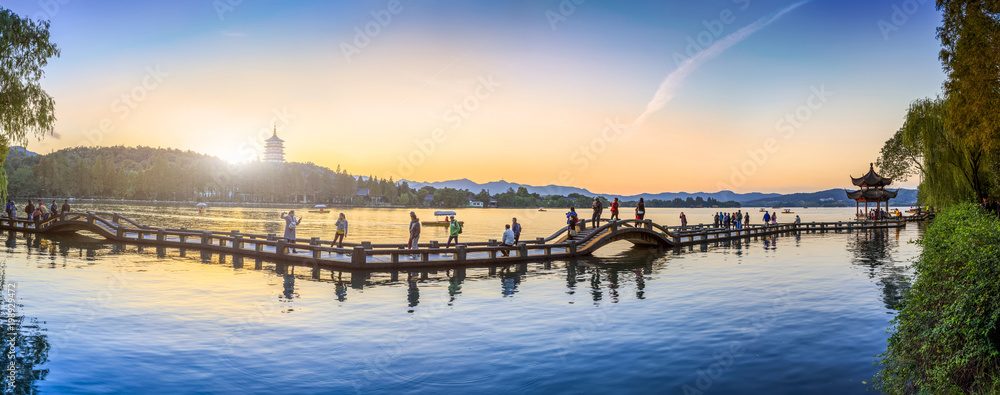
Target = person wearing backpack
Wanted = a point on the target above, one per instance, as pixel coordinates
(571, 219)
(453, 231)
(516, 228)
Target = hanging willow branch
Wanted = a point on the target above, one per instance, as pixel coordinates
(27, 109)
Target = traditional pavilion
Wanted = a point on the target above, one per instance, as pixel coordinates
(872, 190)
(274, 148)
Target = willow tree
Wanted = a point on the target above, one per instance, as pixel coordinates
(25, 108)
(952, 166)
(970, 54)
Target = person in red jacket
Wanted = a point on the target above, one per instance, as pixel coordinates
(614, 210)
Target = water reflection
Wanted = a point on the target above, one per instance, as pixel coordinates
(873, 250)
(25, 346)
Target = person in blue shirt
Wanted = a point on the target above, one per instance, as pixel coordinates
(571, 219)
(507, 241)
(767, 218)
(516, 228)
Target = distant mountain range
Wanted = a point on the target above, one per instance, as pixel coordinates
(830, 197)
(17, 149)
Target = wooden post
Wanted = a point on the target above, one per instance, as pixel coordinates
(572, 247)
(434, 244)
(366, 244)
(160, 235)
(282, 245)
(206, 238)
(271, 237)
(238, 243)
(460, 252)
(522, 250)
(358, 256)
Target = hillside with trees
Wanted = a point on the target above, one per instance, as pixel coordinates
(163, 174)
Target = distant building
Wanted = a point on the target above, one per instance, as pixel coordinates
(475, 203)
(274, 148)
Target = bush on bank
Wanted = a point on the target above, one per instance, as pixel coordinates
(944, 339)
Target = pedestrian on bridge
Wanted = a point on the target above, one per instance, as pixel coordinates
(44, 210)
(598, 208)
(65, 206)
(614, 210)
(507, 241)
(684, 220)
(341, 231)
(29, 210)
(53, 210)
(767, 218)
(640, 210)
(454, 229)
(571, 220)
(290, 224)
(414, 242)
(514, 227)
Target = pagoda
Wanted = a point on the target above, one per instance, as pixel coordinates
(872, 190)
(274, 149)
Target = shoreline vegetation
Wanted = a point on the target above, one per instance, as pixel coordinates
(945, 337)
(145, 174)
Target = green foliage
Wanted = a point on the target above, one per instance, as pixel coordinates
(901, 158)
(970, 54)
(945, 337)
(953, 167)
(25, 108)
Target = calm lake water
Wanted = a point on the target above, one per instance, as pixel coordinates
(800, 313)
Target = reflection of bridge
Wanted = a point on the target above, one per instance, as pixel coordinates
(367, 255)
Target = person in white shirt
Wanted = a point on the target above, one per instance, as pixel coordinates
(507, 241)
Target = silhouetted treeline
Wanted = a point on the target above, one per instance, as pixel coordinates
(145, 173)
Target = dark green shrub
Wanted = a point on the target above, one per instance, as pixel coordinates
(945, 338)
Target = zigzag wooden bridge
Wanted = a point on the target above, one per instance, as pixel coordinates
(371, 256)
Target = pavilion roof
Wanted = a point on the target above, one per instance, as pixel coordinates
(872, 195)
(872, 179)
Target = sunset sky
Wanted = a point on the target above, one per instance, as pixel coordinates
(536, 92)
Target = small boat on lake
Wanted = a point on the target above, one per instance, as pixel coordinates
(541, 209)
(319, 209)
(438, 222)
(202, 207)
(788, 211)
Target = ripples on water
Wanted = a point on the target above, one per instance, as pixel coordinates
(799, 313)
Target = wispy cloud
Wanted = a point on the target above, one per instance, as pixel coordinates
(233, 34)
(670, 84)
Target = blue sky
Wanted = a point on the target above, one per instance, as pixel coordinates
(560, 73)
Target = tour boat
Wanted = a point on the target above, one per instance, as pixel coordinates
(202, 207)
(445, 222)
(763, 211)
(319, 209)
(541, 209)
(788, 211)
